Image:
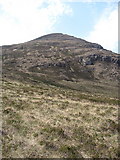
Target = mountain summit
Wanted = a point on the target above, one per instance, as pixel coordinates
(59, 56)
(68, 38)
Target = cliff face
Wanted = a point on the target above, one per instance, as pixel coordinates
(61, 57)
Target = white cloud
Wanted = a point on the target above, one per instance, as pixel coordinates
(23, 20)
(109, 1)
(105, 32)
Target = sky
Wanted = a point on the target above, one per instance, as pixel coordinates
(93, 20)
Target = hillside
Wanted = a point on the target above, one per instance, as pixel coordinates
(60, 99)
(62, 57)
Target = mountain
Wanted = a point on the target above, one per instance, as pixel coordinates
(63, 57)
(60, 99)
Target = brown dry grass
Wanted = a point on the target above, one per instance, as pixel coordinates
(45, 121)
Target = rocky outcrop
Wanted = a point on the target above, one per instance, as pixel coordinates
(93, 58)
(93, 45)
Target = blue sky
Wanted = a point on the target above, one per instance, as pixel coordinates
(23, 20)
(84, 16)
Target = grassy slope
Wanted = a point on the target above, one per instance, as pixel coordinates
(42, 120)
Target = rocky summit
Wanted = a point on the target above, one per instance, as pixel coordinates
(60, 99)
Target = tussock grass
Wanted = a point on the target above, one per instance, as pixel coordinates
(47, 121)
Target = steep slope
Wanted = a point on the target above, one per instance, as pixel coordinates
(62, 57)
(60, 99)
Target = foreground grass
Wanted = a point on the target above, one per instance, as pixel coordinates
(46, 121)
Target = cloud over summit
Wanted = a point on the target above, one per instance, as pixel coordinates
(105, 31)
